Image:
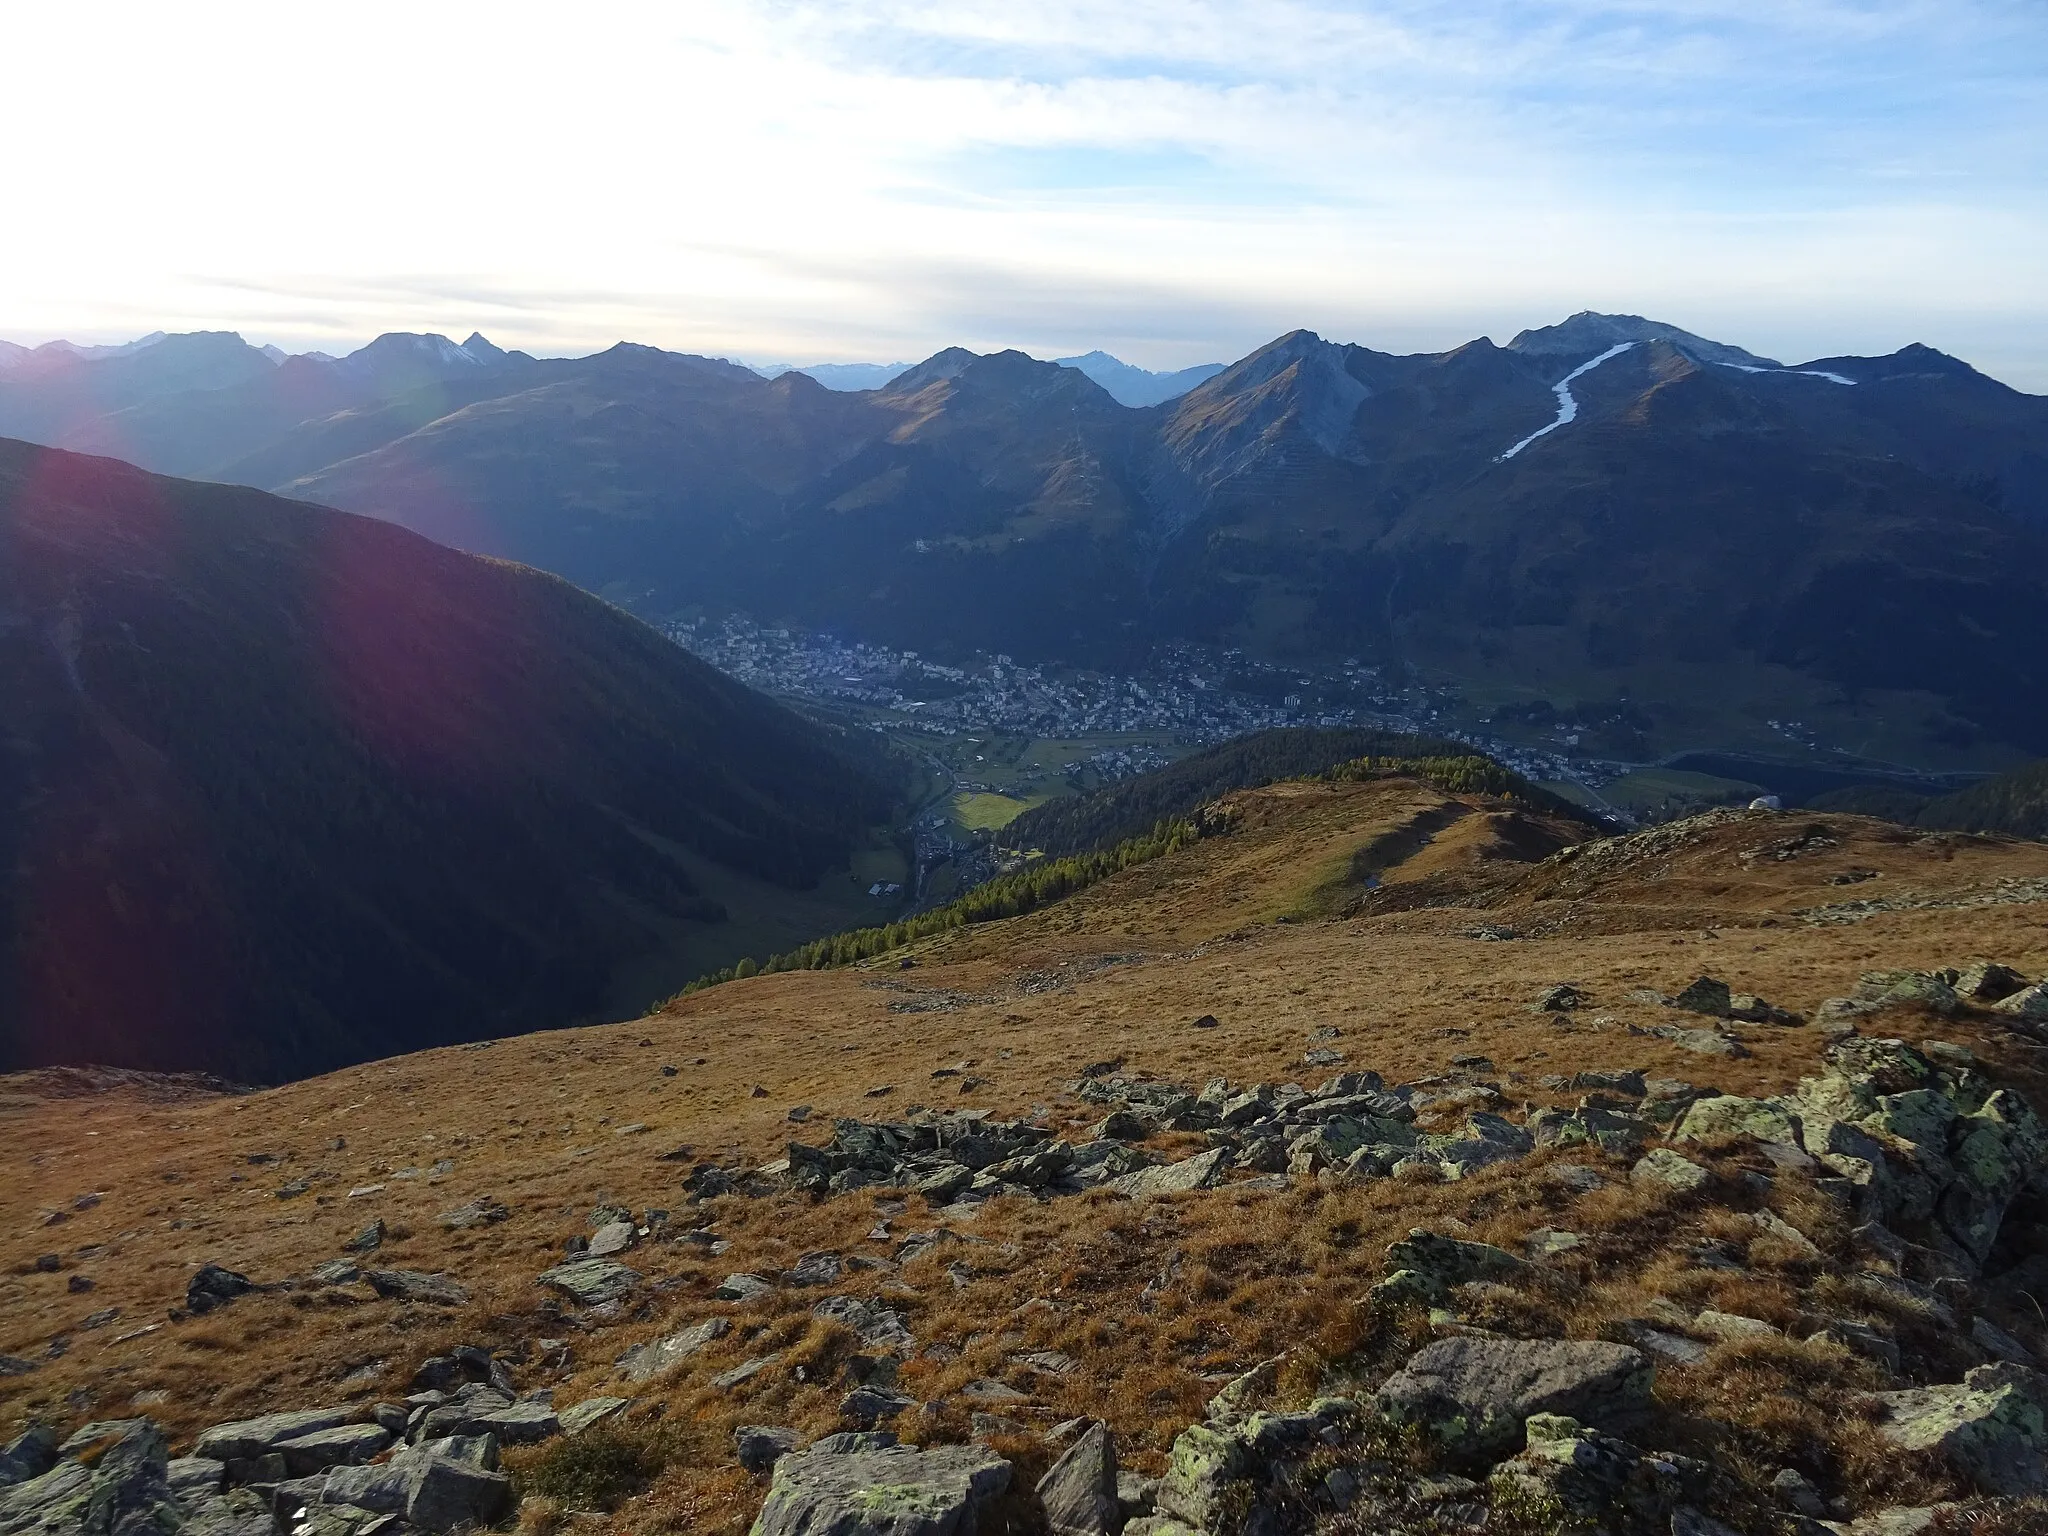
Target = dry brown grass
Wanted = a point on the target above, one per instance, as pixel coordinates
(1158, 1303)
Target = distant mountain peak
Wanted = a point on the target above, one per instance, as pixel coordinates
(1588, 333)
(1128, 384)
(947, 364)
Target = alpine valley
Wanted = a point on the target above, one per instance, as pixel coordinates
(1609, 511)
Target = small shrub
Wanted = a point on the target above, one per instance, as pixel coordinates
(596, 1470)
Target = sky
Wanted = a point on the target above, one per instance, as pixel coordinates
(1175, 181)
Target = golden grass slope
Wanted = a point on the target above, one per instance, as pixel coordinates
(1155, 1303)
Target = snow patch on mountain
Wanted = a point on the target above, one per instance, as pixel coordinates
(1807, 373)
(1567, 404)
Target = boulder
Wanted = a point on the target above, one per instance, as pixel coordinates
(2030, 1004)
(741, 1288)
(1079, 1493)
(1665, 1167)
(1921, 989)
(346, 1445)
(435, 1493)
(1732, 1115)
(214, 1286)
(413, 1285)
(491, 1413)
(29, 1455)
(591, 1282)
(895, 1490)
(248, 1438)
(1992, 1426)
(1205, 1469)
(1474, 1394)
(110, 1477)
(1981, 981)
(1706, 995)
(643, 1362)
(1452, 1261)
(1197, 1172)
(1597, 1481)
(760, 1446)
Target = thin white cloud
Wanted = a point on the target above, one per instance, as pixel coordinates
(881, 178)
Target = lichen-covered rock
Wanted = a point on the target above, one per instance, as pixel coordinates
(1474, 1394)
(1599, 1482)
(1453, 1261)
(434, 1492)
(30, 1454)
(895, 1490)
(1197, 1172)
(1665, 1167)
(643, 1362)
(1983, 981)
(346, 1445)
(248, 1438)
(1731, 1115)
(1992, 1426)
(2030, 1004)
(1208, 1478)
(1922, 989)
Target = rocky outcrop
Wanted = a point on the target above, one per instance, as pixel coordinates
(111, 1478)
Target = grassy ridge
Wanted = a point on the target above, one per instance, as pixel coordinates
(1117, 811)
(1046, 880)
(1036, 885)
(1465, 773)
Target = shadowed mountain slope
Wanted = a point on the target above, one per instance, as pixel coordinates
(282, 788)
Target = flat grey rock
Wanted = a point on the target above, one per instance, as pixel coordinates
(591, 1282)
(413, 1285)
(1197, 1172)
(246, 1438)
(1476, 1393)
(893, 1491)
(643, 1362)
(592, 1410)
(345, 1445)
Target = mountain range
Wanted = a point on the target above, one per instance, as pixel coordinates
(1610, 509)
(1124, 382)
(283, 788)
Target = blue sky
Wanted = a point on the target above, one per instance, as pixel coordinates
(1176, 182)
